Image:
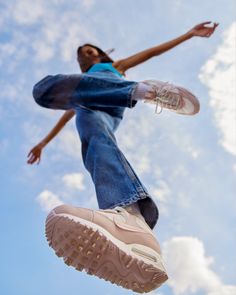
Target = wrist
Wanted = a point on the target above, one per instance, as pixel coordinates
(189, 35)
(42, 144)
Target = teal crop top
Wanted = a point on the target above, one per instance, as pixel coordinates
(107, 66)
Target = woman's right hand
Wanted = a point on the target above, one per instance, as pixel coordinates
(205, 29)
(35, 154)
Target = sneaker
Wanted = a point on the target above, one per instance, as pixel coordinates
(172, 97)
(111, 244)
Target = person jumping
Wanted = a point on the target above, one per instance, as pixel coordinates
(116, 242)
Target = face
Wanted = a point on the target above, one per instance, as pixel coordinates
(89, 52)
(88, 56)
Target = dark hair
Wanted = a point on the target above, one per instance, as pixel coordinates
(103, 55)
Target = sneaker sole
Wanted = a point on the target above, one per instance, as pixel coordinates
(86, 246)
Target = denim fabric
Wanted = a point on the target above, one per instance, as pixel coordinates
(100, 99)
(97, 89)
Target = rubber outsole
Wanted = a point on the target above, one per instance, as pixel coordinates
(87, 249)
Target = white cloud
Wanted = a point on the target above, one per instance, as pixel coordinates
(74, 181)
(52, 31)
(26, 12)
(155, 293)
(65, 37)
(91, 202)
(69, 143)
(10, 93)
(88, 4)
(234, 167)
(43, 51)
(219, 75)
(142, 160)
(48, 200)
(224, 290)
(70, 43)
(189, 268)
(134, 139)
(52, 36)
(185, 142)
(6, 49)
(161, 192)
(33, 132)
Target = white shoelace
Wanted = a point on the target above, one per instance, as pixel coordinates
(171, 102)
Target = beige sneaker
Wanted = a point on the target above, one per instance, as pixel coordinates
(111, 244)
(172, 97)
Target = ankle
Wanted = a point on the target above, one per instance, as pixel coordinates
(143, 91)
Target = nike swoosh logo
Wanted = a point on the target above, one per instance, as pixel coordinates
(127, 227)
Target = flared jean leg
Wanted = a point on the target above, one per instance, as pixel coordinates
(97, 89)
(116, 183)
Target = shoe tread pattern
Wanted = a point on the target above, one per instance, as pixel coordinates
(86, 249)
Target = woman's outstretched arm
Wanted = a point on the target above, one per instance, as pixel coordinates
(35, 153)
(201, 30)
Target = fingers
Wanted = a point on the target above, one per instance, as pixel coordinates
(39, 158)
(205, 23)
(210, 27)
(33, 158)
(215, 26)
(34, 155)
(212, 30)
(30, 156)
(30, 152)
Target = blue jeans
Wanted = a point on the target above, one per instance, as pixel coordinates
(99, 100)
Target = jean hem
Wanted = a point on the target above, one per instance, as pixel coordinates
(131, 102)
(129, 201)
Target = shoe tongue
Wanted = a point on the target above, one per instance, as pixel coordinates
(135, 217)
(129, 210)
(134, 212)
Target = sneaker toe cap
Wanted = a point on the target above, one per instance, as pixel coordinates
(191, 103)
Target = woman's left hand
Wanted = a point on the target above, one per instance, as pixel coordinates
(202, 30)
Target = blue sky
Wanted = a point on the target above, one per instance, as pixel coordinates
(187, 163)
